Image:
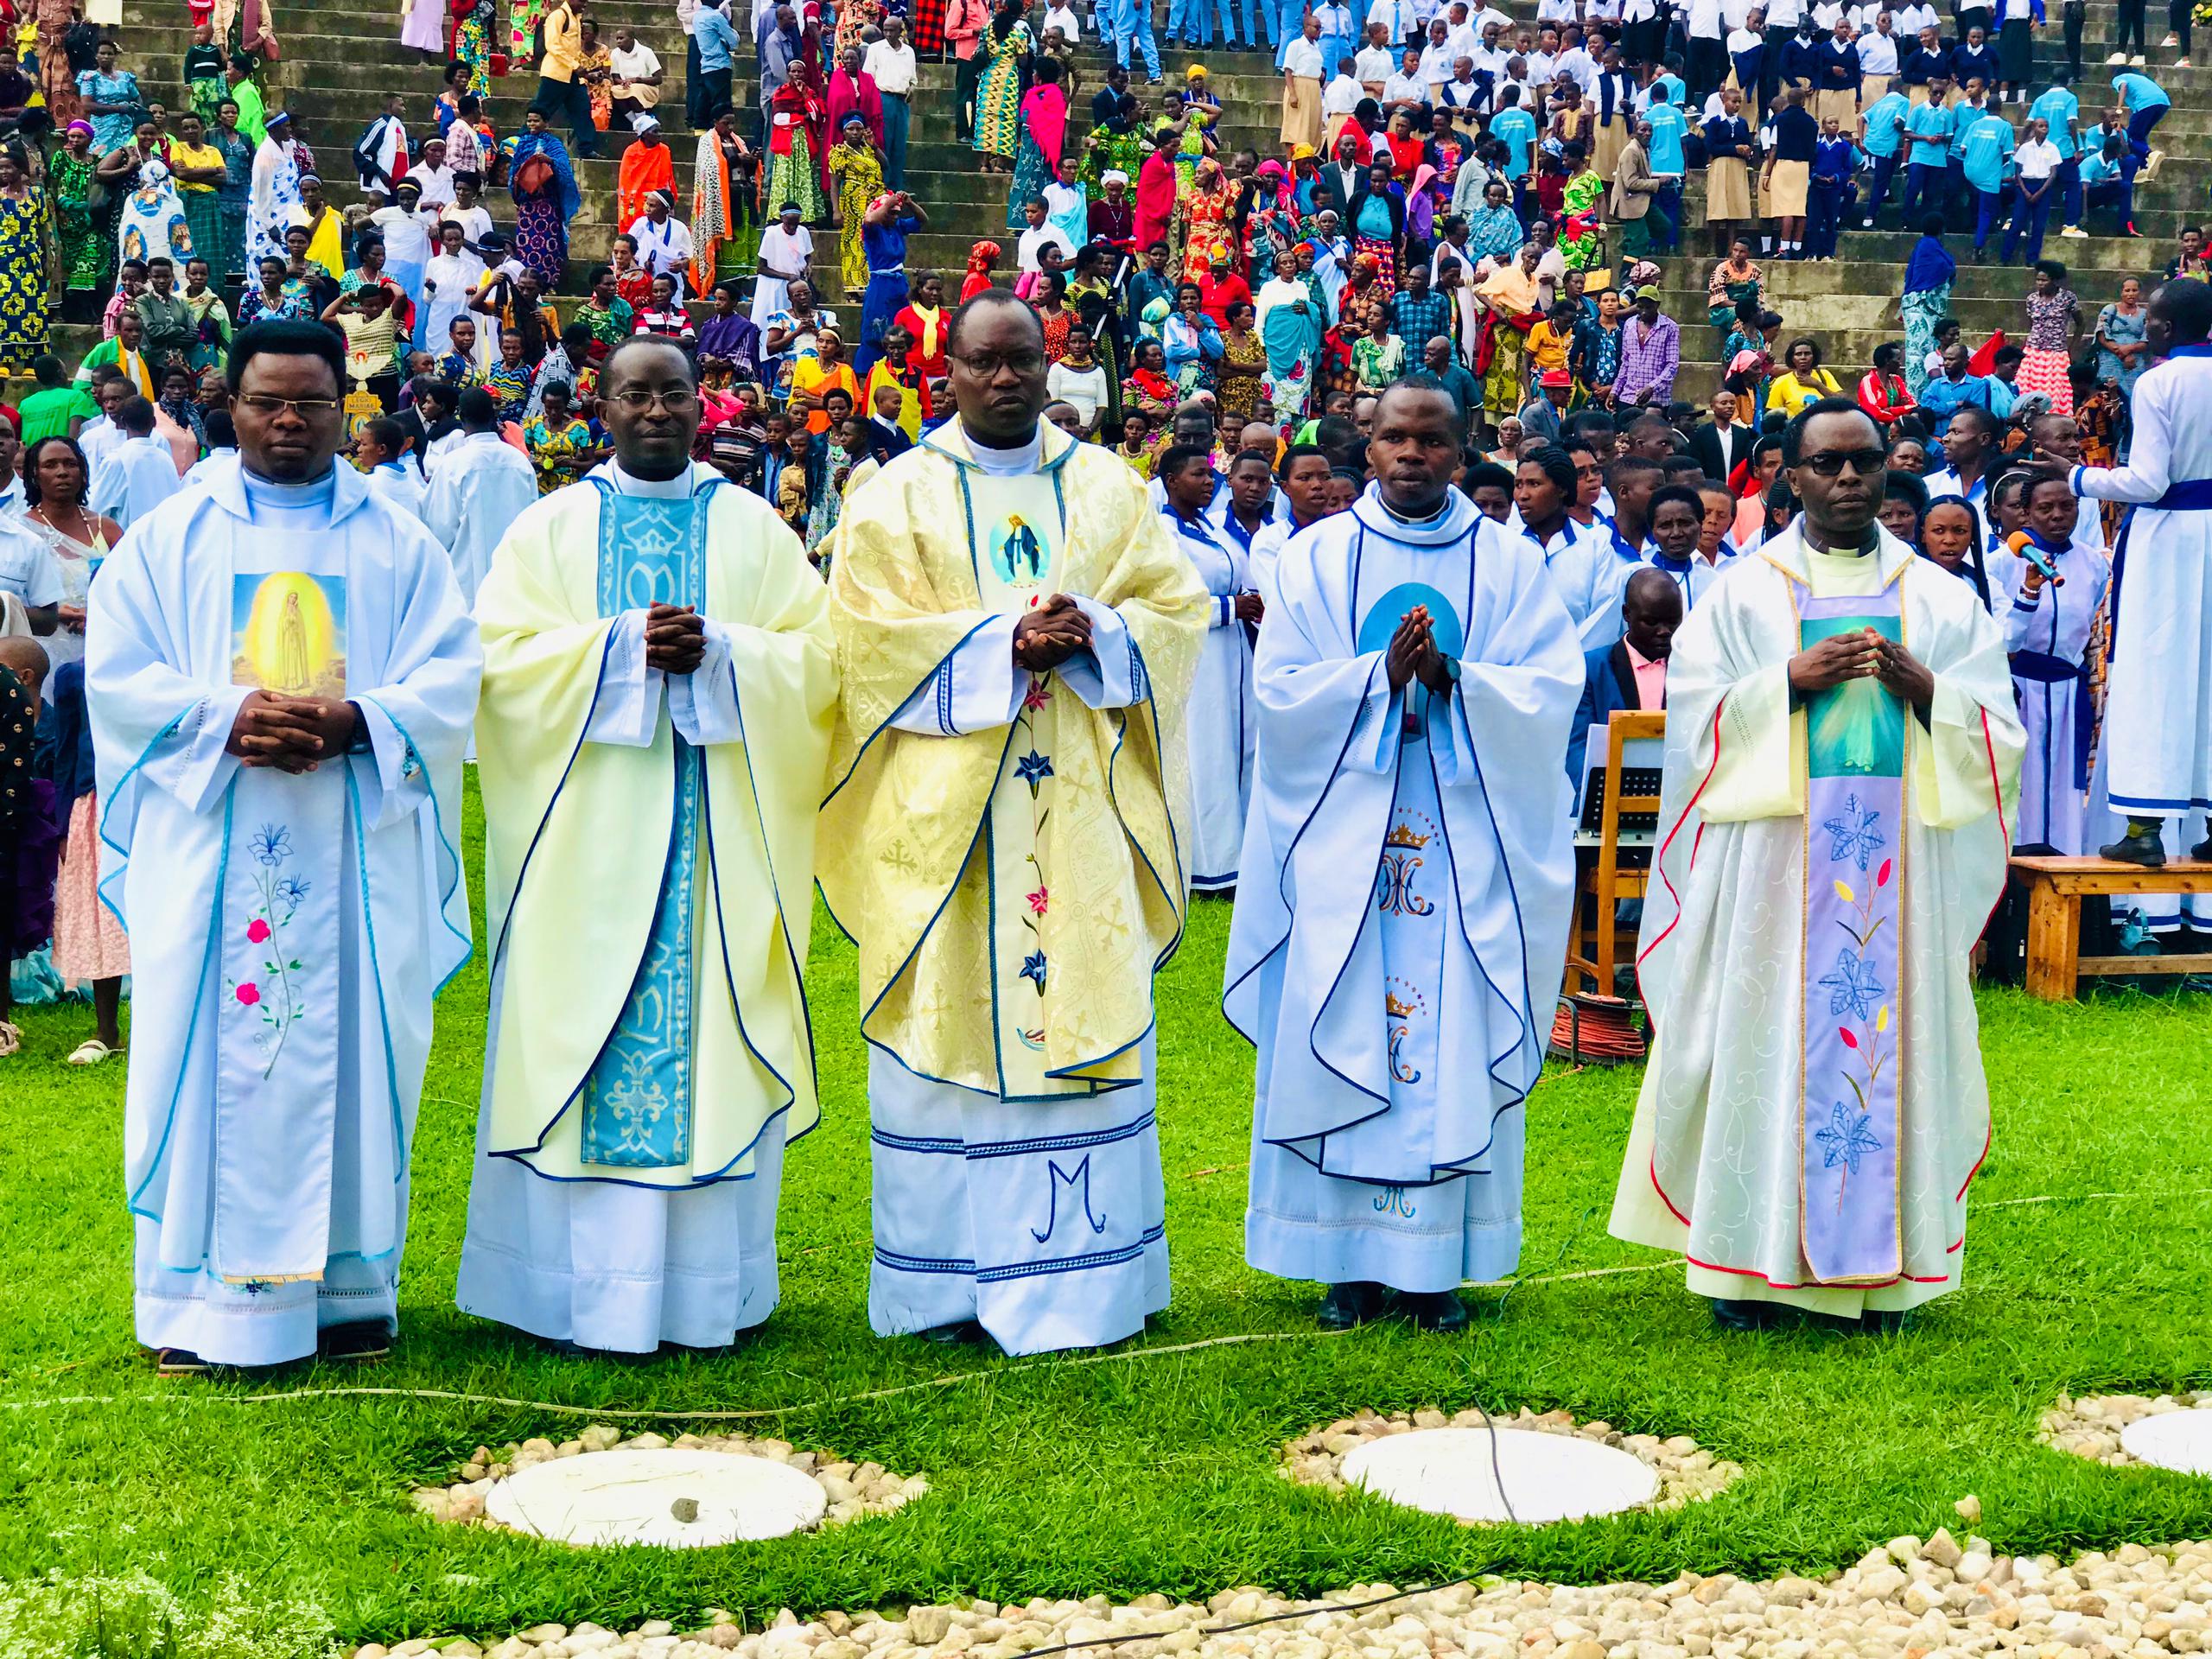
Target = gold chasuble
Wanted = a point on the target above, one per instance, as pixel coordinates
(1012, 889)
(588, 843)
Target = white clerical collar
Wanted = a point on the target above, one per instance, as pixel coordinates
(627, 483)
(1450, 524)
(1005, 463)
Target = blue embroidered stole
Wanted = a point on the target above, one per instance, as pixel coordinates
(638, 1097)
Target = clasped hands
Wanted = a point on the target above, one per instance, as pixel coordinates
(1049, 633)
(1412, 654)
(291, 733)
(1865, 654)
(676, 638)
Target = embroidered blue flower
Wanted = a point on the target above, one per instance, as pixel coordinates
(1033, 768)
(1853, 986)
(1847, 1139)
(1852, 835)
(1033, 967)
(292, 893)
(271, 844)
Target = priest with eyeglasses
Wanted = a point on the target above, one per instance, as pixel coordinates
(280, 674)
(1842, 762)
(658, 689)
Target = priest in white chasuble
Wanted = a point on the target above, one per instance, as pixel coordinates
(1842, 763)
(657, 693)
(281, 676)
(1402, 925)
(1004, 838)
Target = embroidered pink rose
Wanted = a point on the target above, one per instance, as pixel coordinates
(249, 993)
(256, 930)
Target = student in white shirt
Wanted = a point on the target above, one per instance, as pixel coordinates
(1062, 17)
(2037, 159)
(1375, 63)
(1437, 57)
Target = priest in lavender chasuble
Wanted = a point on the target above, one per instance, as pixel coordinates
(657, 691)
(280, 674)
(1004, 837)
(1842, 763)
(1400, 925)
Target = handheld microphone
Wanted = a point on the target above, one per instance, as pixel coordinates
(2023, 546)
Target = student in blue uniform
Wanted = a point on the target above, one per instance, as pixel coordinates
(1927, 142)
(1985, 158)
(1830, 197)
(1881, 135)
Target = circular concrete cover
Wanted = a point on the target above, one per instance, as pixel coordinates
(1547, 1476)
(2172, 1439)
(670, 1498)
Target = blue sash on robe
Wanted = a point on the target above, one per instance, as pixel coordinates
(637, 1096)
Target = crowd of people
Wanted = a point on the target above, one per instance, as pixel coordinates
(1206, 460)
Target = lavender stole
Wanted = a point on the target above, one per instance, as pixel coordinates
(1849, 1122)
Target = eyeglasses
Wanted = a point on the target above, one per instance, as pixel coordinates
(1831, 463)
(306, 408)
(985, 365)
(678, 402)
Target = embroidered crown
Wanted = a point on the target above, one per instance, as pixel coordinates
(1399, 1007)
(1403, 836)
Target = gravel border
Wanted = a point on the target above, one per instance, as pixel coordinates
(2090, 1426)
(1939, 1596)
(854, 1490)
(1686, 1471)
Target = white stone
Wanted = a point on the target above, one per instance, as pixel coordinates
(2172, 1439)
(671, 1499)
(1546, 1476)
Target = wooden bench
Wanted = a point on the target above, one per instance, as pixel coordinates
(2055, 887)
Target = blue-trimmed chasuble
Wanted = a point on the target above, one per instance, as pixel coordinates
(638, 1096)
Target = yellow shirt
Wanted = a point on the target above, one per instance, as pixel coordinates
(184, 155)
(1791, 395)
(1548, 346)
(564, 51)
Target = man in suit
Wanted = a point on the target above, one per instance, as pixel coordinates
(1719, 444)
(1631, 672)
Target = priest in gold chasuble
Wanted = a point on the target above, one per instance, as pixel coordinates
(1016, 634)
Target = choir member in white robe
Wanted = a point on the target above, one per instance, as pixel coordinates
(477, 489)
(1220, 718)
(2049, 632)
(1842, 759)
(281, 675)
(657, 691)
(1004, 838)
(1578, 558)
(1305, 476)
(139, 473)
(1674, 551)
(1396, 951)
(2157, 727)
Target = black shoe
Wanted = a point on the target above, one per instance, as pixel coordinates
(1433, 1310)
(1739, 1316)
(1352, 1304)
(960, 1333)
(179, 1362)
(361, 1339)
(2145, 850)
(2202, 851)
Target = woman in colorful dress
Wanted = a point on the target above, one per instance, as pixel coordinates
(1494, 230)
(1377, 217)
(1929, 275)
(152, 223)
(2054, 313)
(111, 99)
(559, 441)
(22, 264)
(543, 182)
(1115, 146)
(725, 181)
(1734, 280)
(1148, 391)
(795, 118)
(1043, 124)
(524, 18)
(509, 380)
(1192, 342)
(274, 300)
(605, 314)
(1243, 370)
(1291, 319)
(857, 171)
(1202, 228)
(596, 68)
(83, 255)
(2121, 353)
(1053, 314)
(1005, 46)
(924, 317)
(472, 42)
(1582, 238)
(1510, 292)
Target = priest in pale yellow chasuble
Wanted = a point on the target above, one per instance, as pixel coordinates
(1016, 636)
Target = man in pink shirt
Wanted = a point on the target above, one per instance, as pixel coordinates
(1631, 672)
(964, 22)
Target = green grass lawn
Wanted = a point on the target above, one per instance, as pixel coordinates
(1141, 1473)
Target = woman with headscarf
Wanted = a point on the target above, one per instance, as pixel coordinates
(980, 259)
(1494, 230)
(1267, 207)
(1582, 204)
(1115, 146)
(724, 179)
(1514, 306)
(795, 118)
(1928, 277)
(543, 182)
(274, 193)
(857, 170)
(1044, 126)
(84, 257)
(1377, 217)
(1202, 220)
(1006, 46)
(647, 165)
(151, 224)
(1290, 327)
(1156, 189)
(1192, 342)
